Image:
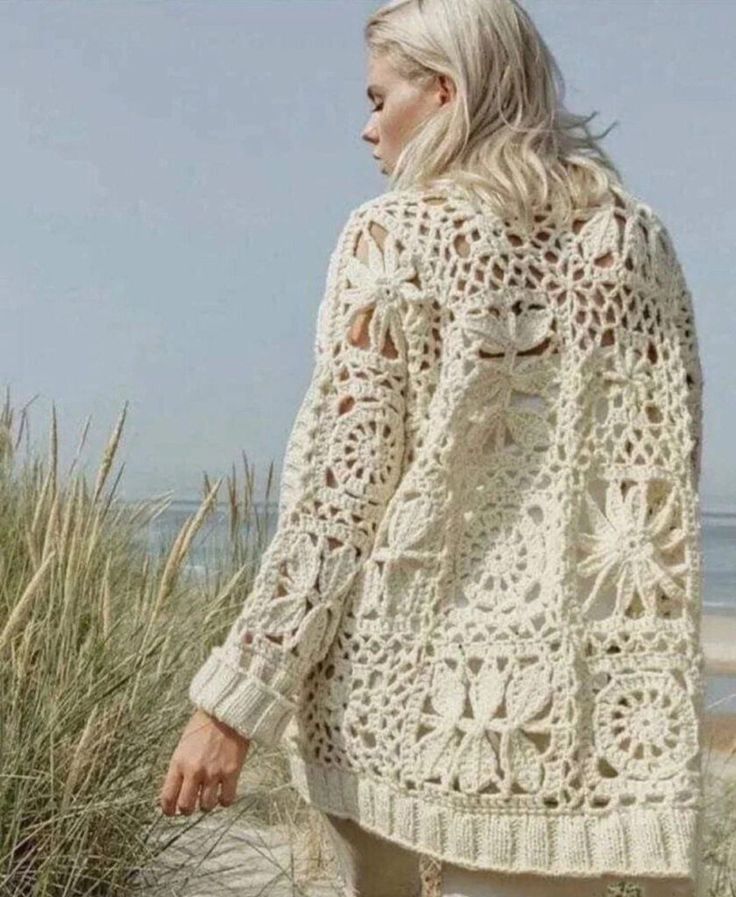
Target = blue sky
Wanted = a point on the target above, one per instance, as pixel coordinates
(176, 174)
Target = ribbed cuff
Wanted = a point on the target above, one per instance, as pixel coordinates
(239, 699)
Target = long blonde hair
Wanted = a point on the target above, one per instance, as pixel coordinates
(507, 138)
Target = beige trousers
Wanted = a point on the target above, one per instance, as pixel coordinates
(371, 866)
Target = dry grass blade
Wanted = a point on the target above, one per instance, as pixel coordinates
(83, 439)
(224, 592)
(109, 455)
(21, 609)
(106, 599)
(40, 517)
(183, 542)
(80, 756)
(54, 448)
(52, 526)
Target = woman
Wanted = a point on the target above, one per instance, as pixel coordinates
(480, 611)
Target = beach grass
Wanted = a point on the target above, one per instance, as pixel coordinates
(99, 639)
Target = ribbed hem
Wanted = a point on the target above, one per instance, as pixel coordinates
(657, 842)
(240, 700)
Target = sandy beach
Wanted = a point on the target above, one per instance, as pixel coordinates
(719, 643)
(718, 633)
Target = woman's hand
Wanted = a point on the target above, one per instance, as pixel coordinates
(208, 758)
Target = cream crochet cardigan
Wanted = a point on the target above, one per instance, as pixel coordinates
(478, 621)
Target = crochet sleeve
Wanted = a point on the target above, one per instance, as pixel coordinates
(686, 340)
(342, 464)
(693, 368)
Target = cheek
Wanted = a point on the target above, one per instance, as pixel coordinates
(397, 122)
(402, 119)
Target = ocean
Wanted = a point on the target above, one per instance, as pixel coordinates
(719, 565)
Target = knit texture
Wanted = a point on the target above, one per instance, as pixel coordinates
(479, 615)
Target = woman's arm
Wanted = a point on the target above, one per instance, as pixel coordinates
(344, 469)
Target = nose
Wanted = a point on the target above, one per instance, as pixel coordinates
(369, 132)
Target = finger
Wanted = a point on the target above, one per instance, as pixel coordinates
(208, 795)
(170, 790)
(189, 791)
(228, 790)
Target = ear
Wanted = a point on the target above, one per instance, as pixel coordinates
(447, 90)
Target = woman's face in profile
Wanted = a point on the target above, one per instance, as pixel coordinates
(399, 106)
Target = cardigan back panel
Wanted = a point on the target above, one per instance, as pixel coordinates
(479, 615)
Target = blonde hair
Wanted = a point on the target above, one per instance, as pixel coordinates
(507, 137)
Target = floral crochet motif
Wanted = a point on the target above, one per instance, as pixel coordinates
(632, 543)
(390, 277)
(488, 747)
